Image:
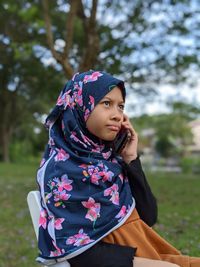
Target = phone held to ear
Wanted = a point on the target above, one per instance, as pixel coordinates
(120, 141)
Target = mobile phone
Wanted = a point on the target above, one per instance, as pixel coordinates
(120, 141)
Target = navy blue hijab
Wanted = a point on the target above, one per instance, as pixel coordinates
(85, 194)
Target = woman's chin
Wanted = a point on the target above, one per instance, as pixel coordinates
(110, 138)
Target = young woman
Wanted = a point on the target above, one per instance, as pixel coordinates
(98, 208)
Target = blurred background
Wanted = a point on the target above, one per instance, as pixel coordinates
(155, 47)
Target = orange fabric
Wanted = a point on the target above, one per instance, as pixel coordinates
(135, 233)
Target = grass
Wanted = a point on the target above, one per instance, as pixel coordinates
(179, 213)
(17, 240)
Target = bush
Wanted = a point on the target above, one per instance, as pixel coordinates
(190, 164)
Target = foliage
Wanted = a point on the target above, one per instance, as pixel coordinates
(171, 131)
(190, 164)
(41, 42)
(28, 86)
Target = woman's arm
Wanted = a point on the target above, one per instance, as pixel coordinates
(146, 204)
(145, 200)
(104, 254)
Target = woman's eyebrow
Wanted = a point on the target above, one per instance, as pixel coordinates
(106, 97)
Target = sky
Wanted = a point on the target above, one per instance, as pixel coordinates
(161, 40)
(158, 104)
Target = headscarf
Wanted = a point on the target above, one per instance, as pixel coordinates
(84, 192)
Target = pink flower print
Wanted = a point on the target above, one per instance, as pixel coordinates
(84, 166)
(114, 160)
(93, 77)
(56, 252)
(75, 138)
(79, 239)
(98, 148)
(68, 102)
(51, 142)
(91, 102)
(113, 192)
(43, 219)
(85, 139)
(61, 186)
(95, 179)
(78, 94)
(121, 213)
(106, 155)
(101, 165)
(59, 100)
(97, 173)
(79, 100)
(60, 197)
(93, 209)
(94, 174)
(115, 198)
(107, 175)
(61, 155)
(86, 115)
(64, 99)
(58, 223)
(92, 215)
(88, 110)
(47, 197)
(65, 183)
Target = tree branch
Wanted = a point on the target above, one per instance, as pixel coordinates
(82, 16)
(60, 57)
(70, 27)
(50, 39)
(92, 21)
(92, 41)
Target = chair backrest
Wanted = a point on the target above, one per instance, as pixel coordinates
(34, 205)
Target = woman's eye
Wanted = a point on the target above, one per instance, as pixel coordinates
(106, 103)
(121, 107)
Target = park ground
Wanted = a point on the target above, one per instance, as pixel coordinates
(178, 198)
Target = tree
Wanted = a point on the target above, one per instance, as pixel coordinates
(59, 38)
(88, 25)
(170, 132)
(23, 77)
(149, 42)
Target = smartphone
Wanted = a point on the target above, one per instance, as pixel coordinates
(120, 141)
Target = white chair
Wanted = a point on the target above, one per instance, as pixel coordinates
(34, 205)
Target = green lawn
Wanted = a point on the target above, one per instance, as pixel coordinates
(179, 213)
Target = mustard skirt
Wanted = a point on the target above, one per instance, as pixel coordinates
(136, 233)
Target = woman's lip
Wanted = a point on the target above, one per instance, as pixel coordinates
(113, 128)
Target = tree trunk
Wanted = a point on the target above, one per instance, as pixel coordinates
(5, 146)
(91, 48)
(8, 118)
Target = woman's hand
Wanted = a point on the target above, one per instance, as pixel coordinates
(129, 152)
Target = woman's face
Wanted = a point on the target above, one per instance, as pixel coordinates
(106, 118)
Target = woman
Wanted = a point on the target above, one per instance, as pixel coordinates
(98, 208)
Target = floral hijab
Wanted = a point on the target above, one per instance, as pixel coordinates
(84, 192)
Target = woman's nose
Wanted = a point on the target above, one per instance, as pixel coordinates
(117, 115)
